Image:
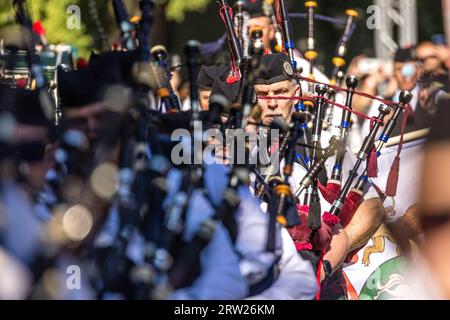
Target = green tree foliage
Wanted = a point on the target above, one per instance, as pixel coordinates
(176, 9)
(52, 14)
(6, 13)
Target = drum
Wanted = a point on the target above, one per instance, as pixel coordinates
(54, 56)
(14, 68)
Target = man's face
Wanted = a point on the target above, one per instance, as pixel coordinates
(23, 133)
(264, 23)
(429, 58)
(175, 80)
(273, 108)
(203, 97)
(87, 119)
(37, 170)
(407, 74)
(37, 175)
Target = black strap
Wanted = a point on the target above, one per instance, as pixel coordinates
(187, 267)
(272, 275)
(311, 256)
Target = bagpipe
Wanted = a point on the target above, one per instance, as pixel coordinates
(368, 149)
(169, 261)
(234, 44)
(346, 200)
(159, 54)
(270, 10)
(314, 231)
(310, 229)
(311, 53)
(133, 128)
(124, 24)
(36, 79)
(164, 269)
(24, 67)
(241, 24)
(339, 62)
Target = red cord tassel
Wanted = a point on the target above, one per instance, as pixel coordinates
(81, 63)
(330, 219)
(392, 181)
(232, 79)
(21, 83)
(38, 28)
(331, 192)
(372, 164)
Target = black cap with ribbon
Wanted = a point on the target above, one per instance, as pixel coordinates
(228, 90)
(208, 74)
(274, 68)
(256, 8)
(405, 55)
(24, 104)
(82, 87)
(26, 108)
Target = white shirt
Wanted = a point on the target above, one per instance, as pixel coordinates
(296, 279)
(15, 278)
(23, 229)
(318, 75)
(220, 277)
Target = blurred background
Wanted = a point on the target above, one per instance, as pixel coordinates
(176, 21)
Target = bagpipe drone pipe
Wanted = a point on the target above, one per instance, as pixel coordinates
(345, 200)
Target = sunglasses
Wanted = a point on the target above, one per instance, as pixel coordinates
(422, 60)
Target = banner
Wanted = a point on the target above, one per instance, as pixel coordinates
(377, 272)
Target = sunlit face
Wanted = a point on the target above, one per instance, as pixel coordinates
(407, 82)
(264, 23)
(87, 119)
(273, 108)
(175, 80)
(203, 97)
(429, 57)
